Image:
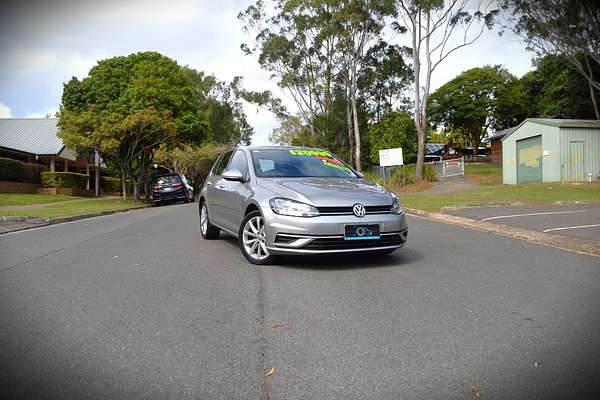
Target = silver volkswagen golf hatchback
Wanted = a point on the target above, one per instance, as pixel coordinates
(294, 200)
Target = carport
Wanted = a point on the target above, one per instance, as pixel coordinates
(552, 150)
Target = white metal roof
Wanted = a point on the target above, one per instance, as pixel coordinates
(31, 135)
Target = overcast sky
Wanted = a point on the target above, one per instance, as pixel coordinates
(44, 43)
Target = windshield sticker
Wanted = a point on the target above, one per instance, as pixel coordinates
(313, 153)
(328, 159)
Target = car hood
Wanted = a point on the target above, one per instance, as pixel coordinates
(332, 192)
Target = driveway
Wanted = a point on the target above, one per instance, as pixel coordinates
(136, 305)
(575, 220)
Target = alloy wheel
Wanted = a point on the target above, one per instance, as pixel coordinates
(204, 220)
(254, 238)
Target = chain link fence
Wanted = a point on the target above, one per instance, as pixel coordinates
(443, 169)
(446, 168)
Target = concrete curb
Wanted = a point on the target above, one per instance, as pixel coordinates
(45, 221)
(575, 245)
(31, 220)
(91, 215)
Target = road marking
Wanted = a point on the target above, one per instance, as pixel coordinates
(532, 214)
(572, 227)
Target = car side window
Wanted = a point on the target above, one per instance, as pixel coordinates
(222, 164)
(239, 162)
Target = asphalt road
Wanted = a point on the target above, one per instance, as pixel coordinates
(575, 220)
(137, 306)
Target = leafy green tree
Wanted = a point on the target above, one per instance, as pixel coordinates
(565, 27)
(395, 129)
(554, 88)
(127, 107)
(383, 77)
(289, 128)
(221, 103)
(477, 99)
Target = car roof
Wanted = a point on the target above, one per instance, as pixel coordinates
(280, 148)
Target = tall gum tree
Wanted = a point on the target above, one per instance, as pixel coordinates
(437, 28)
(567, 27)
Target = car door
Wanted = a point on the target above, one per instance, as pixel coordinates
(234, 193)
(213, 190)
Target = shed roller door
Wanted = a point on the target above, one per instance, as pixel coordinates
(529, 160)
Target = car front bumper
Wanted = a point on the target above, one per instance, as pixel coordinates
(325, 234)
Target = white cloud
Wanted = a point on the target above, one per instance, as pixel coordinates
(4, 111)
(51, 112)
(154, 11)
(31, 63)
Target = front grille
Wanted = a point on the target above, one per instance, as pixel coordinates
(346, 210)
(338, 243)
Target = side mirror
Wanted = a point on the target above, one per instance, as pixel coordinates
(234, 175)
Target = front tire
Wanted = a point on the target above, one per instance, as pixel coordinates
(252, 239)
(208, 230)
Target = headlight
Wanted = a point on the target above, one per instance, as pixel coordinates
(396, 205)
(294, 208)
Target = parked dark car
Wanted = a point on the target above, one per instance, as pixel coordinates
(171, 187)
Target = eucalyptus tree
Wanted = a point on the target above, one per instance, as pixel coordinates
(314, 47)
(359, 23)
(566, 27)
(438, 28)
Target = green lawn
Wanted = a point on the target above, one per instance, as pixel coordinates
(484, 173)
(504, 194)
(87, 206)
(17, 199)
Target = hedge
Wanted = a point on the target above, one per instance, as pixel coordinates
(109, 184)
(64, 180)
(18, 171)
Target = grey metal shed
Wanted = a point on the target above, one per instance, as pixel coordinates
(552, 150)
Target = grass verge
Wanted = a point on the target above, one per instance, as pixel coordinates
(78, 208)
(484, 173)
(18, 199)
(504, 194)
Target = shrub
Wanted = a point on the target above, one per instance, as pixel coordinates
(64, 180)
(110, 184)
(373, 177)
(17, 171)
(429, 173)
(404, 175)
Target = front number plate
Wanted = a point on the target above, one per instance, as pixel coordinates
(361, 232)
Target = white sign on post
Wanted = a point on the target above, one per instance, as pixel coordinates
(390, 157)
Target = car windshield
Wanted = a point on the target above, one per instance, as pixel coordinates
(299, 163)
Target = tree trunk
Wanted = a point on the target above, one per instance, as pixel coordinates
(421, 128)
(350, 132)
(590, 81)
(123, 184)
(593, 97)
(136, 189)
(353, 90)
(357, 151)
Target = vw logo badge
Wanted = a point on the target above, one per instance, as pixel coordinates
(359, 210)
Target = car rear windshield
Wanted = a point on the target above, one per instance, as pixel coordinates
(299, 163)
(167, 180)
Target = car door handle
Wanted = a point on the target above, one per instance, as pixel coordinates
(221, 186)
(208, 183)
